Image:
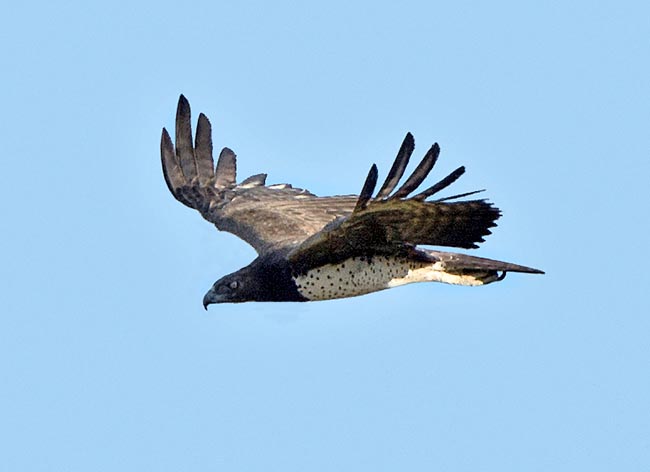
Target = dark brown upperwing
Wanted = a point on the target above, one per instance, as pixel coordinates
(267, 217)
(393, 224)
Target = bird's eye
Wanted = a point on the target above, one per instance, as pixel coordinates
(234, 284)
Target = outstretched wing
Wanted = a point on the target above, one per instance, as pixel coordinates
(392, 224)
(267, 217)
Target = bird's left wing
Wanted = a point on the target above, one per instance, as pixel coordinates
(266, 216)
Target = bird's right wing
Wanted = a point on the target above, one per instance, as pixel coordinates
(391, 223)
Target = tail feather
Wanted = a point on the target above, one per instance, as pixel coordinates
(461, 262)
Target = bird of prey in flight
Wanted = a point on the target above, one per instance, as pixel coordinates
(321, 248)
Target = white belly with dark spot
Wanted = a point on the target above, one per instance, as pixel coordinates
(361, 275)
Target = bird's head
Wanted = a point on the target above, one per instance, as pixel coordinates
(266, 279)
(248, 284)
(232, 288)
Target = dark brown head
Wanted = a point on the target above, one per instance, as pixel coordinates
(266, 279)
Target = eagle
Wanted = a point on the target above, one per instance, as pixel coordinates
(320, 248)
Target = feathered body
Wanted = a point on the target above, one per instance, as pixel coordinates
(319, 248)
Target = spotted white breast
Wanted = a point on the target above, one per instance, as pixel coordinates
(361, 275)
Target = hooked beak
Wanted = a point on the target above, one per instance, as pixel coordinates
(208, 299)
(213, 297)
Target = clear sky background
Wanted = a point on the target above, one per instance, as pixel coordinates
(107, 359)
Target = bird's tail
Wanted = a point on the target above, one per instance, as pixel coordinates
(460, 262)
(461, 269)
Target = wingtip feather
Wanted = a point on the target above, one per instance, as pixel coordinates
(203, 150)
(226, 171)
(444, 183)
(399, 165)
(172, 171)
(368, 188)
(183, 105)
(184, 145)
(420, 173)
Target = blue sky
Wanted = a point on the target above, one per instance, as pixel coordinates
(107, 359)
